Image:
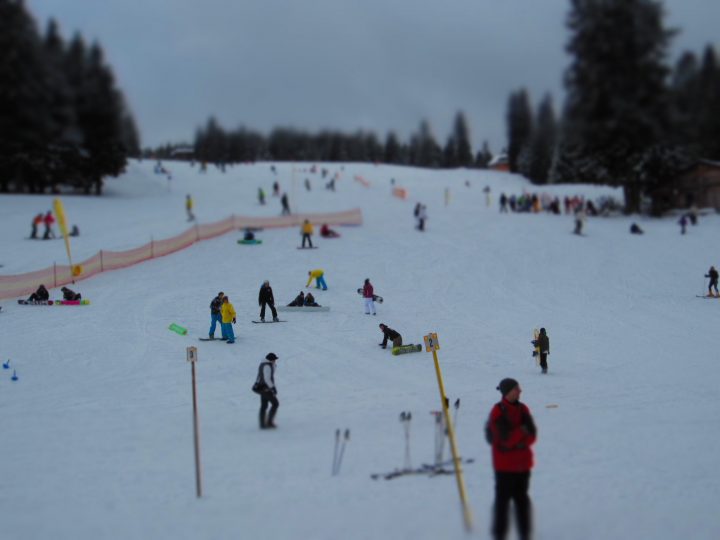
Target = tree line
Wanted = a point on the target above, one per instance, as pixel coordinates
(64, 122)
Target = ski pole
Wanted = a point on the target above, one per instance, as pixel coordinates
(457, 411)
(335, 452)
(342, 450)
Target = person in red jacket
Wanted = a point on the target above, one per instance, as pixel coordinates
(511, 431)
(49, 220)
(368, 297)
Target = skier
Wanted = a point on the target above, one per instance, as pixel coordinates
(310, 301)
(276, 189)
(713, 275)
(389, 333)
(319, 276)
(265, 297)
(189, 208)
(261, 196)
(579, 221)
(511, 431)
(327, 232)
(48, 220)
(298, 301)
(306, 230)
(228, 319)
(683, 223)
(69, 294)
(40, 295)
(543, 343)
(265, 382)
(37, 220)
(422, 217)
(285, 205)
(216, 315)
(368, 297)
(503, 203)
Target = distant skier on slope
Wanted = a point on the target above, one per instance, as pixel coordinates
(543, 344)
(265, 297)
(713, 275)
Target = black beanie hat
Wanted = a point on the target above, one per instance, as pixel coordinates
(271, 356)
(506, 385)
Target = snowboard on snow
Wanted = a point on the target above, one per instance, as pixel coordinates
(249, 242)
(71, 302)
(305, 309)
(309, 247)
(536, 343)
(35, 302)
(268, 322)
(405, 349)
(707, 296)
(212, 339)
(376, 298)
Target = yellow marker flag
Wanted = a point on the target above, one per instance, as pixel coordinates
(62, 223)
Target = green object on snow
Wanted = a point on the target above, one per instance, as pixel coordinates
(249, 242)
(177, 328)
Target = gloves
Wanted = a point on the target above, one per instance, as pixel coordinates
(274, 391)
(534, 342)
(234, 321)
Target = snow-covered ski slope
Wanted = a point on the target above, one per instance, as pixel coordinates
(96, 435)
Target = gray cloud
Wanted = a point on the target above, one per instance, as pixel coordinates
(376, 65)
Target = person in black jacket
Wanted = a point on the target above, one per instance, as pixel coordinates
(265, 382)
(392, 335)
(310, 301)
(543, 343)
(69, 294)
(713, 275)
(40, 295)
(299, 300)
(265, 297)
(215, 313)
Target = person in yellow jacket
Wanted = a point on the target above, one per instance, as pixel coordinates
(228, 319)
(189, 208)
(318, 275)
(306, 230)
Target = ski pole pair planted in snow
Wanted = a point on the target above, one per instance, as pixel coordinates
(405, 418)
(339, 450)
(441, 431)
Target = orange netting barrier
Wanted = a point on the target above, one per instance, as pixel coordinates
(58, 275)
(364, 182)
(399, 192)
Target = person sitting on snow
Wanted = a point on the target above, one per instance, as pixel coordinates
(69, 294)
(40, 295)
(249, 235)
(392, 335)
(299, 300)
(310, 301)
(327, 232)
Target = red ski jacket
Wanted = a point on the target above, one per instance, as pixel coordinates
(511, 431)
(368, 290)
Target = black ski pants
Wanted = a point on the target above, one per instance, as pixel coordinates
(268, 398)
(512, 486)
(306, 237)
(543, 361)
(272, 308)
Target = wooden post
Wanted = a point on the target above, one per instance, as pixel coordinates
(432, 345)
(152, 248)
(192, 358)
(54, 274)
(102, 269)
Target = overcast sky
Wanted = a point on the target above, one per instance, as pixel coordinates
(375, 65)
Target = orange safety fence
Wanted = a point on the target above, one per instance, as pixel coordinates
(360, 179)
(399, 192)
(58, 275)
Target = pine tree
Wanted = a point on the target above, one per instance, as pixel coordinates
(461, 136)
(617, 106)
(392, 149)
(484, 156)
(519, 121)
(542, 144)
(709, 119)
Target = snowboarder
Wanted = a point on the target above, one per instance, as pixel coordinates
(307, 231)
(319, 276)
(579, 221)
(635, 229)
(265, 383)
(276, 189)
(392, 335)
(265, 297)
(69, 294)
(37, 220)
(216, 315)
(511, 431)
(261, 196)
(683, 223)
(310, 301)
(48, 220)
(421, 217)
(713, 275)
(285, 205)
(248, 236)
(368, 297)
(75, 231)
(189, 208)
(543, 343)
(228, 319)
(40, 295)
(327, 232)
(298, 301)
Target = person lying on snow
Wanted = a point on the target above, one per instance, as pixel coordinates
(69, 294)
(310, 301)
(299, 300)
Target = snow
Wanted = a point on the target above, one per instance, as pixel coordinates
(97, 431)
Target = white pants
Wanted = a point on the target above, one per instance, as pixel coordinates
(369, 306)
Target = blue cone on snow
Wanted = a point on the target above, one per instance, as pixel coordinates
(14, 377)
(6, 365)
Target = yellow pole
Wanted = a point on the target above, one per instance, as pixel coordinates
(467, 515)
